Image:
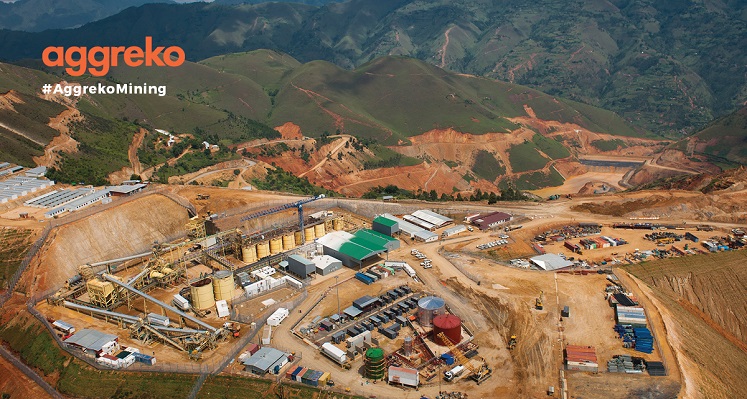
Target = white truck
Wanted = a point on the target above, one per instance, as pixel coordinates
(453, 373)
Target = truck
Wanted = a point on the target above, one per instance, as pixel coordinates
(512, 228)
(453, 373)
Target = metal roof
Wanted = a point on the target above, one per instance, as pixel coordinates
(352, 311)
(425, 235)
(350, 245)
(300, 259)
(484, 221)
(405, 226)
(91, 339)
(431, 303)
(126, 188)
(374, 236)
(364, 301)
(550, 262)
(264, 358)
(419, 222)
(456, 229)
(384, 221)
(432, 217)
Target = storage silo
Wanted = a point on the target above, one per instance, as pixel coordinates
(276, 245)
(202, 294)
(448, 324)
(289, 242)
(308, 233)
(428, 308)
(319, 230)
(263, 250)
(249, 254)
(375, 363)
(337, 224)
(223, 285)
(328, 226)
(297, 237)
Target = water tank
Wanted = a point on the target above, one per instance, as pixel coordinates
(448, 324)
(223, 285)
(202, 294)
(375, 364)
(289, 242)
(297, 237)
(319, 230)
(407, 346)
(308, 232)
(337, 224)
(249, 254)
(428, 308)
(263, 250)
(276, 245)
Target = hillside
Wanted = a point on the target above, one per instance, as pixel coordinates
(723, 140)
(665, 66)
(702, 300)
(383, 107)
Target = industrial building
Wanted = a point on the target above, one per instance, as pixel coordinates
(550, 262)
(300, 266)
(428, 308)
(79, 203)
(433, 218)
(385, 226)
(126, 189)
(452, 231)
(353, 250)
(489, 220)
(326, 264)
(408, 228)
(94, 341)
(19, 186)
(403, 376)
(266, 360)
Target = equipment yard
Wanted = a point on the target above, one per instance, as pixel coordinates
(377, 299)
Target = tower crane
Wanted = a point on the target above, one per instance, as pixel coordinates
(298, 204)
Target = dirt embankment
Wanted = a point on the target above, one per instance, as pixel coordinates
(290, 131)
(63, 142)
(704, 300)
(121, 231)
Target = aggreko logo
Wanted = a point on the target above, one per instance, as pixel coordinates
(97, 60)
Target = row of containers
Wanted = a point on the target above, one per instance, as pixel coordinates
(638, 338)
(252, 253)
(308, 376)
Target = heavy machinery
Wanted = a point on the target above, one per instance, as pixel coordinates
(538, 303)
(297, 204)
(203, 196)
(512, 342)
(479, 374)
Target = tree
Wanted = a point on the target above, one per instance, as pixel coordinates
(135, 177)
(492, 198)
(459, 197)
(433, 195)
(236, 172)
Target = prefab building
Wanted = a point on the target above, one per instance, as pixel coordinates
(95, 341)
(403, 376)
(300, 266)
(452, 231)
(265, 360)
(326, 264)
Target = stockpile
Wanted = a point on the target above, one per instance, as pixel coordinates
(581, 358)
(630, 315)
(656, 369)
(644, 341)
(625, 364)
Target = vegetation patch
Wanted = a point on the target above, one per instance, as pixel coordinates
(609, 145)
(524, 157)
(279, 180)
(385, 157)
(552, 148)
(537, 180)
(487, 166)
(227, 387)
(14, 244)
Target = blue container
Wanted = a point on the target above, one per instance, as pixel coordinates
(448, 359)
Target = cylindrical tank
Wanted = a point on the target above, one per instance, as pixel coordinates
(328, 226)
(407, 346)
(428, 308)
(297, 237)
(156, 275)
(375, 363)
(448, 324)
(337, 224)
(263, 250)
(202, 294)
(223, 285)
(319, 230)
(276, 245)
(249, 254)
(308, 232)
(289, 242)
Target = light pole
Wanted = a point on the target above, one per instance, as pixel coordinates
(337, 286)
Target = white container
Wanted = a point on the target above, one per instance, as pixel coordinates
(334, 352)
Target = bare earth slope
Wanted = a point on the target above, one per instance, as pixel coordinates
(121, 231)
(705, 301)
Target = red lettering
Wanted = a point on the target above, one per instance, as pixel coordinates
(58, 51)
(151, 56)
(94, 62)
(167, 56)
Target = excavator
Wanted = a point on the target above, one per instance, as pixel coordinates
(512, 342)
(538, 302)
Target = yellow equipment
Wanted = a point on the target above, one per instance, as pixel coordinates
(538, 302)
(478, 374)
(512, 342)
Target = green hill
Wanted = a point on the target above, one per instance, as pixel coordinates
(666, 66)
(725, 138)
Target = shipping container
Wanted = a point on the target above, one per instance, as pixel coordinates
(363, 278)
